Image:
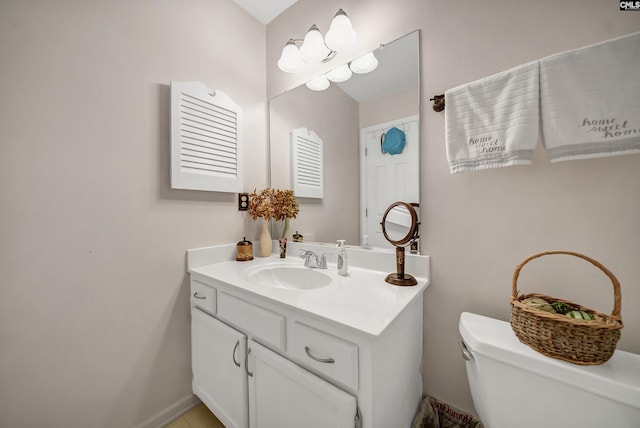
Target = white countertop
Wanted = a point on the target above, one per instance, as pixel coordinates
(362, 300)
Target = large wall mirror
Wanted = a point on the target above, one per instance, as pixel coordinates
(352, 119)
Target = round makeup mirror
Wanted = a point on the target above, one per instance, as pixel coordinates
(400, 227)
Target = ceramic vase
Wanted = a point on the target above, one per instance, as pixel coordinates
(286, 232)
(265, 239)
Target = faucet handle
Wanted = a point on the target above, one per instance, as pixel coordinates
(306, 253)
(323, 260)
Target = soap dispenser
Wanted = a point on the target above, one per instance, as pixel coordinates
(342, 258)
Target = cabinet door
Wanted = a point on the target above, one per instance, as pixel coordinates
(283, 394)
(218, 363)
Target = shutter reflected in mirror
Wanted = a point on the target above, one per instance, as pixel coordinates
(206, 139)
(307, 164)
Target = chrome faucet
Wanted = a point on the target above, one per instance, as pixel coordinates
(312, 260)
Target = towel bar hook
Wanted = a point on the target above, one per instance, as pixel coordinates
(438, 102)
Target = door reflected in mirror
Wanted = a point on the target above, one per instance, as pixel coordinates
(352, 117)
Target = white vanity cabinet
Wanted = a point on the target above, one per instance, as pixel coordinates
(219, 374)
(262, 363)
(235, 380)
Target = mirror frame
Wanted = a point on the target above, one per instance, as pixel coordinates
(412, 234)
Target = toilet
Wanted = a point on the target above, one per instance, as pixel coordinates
(514, 386)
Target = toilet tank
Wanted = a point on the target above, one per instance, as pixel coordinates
(514, 386)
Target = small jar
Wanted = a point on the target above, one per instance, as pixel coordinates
(245, 250)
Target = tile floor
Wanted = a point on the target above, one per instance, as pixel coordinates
(198, 417)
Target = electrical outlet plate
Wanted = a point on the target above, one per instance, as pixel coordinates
(243, 201)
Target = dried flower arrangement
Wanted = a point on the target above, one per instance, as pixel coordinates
(261, 204)
(286, 205)
(273, 203)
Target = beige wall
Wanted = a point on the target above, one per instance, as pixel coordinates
(395, 106)
(94, 301)
(478, 226)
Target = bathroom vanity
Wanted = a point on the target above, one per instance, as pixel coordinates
(276, 344)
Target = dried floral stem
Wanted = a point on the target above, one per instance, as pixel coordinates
(273, 203)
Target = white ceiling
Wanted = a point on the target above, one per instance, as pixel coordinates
(264, 10)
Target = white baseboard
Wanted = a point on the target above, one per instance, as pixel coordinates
(169, 414)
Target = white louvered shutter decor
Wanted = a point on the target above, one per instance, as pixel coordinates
(307, 164)
(206, 139)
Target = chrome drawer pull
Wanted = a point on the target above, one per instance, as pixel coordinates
(320, 360)
(246, 363)
(199, 297)
(235, 348)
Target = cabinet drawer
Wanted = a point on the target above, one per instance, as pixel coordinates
(255, 320)
(203, 296)
(326, 353)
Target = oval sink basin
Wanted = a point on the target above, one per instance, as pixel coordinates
(290, 277)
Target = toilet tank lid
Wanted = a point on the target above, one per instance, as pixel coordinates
(618, 379)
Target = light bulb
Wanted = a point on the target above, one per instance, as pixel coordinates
(290, 60)
(341, 34)
(340, 74)
(313, 48)
(365, 64)
(319, 83)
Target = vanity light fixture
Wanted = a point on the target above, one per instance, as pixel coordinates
(341, 34)
(340, 74)
(314, 48)
(365, 64)
(291, 61)
(319, 83)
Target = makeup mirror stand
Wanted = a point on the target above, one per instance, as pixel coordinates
(399, 277)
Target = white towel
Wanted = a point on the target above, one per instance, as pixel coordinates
(493, 122)
(590, 100)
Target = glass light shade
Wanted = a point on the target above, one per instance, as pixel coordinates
(319, 83)
(341, 34)
(290, 60)
(365, 64)
(340, 74)
(313, 48)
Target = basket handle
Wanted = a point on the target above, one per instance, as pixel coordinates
(617, 299)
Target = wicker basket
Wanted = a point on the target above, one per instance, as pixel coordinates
(557, 336)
